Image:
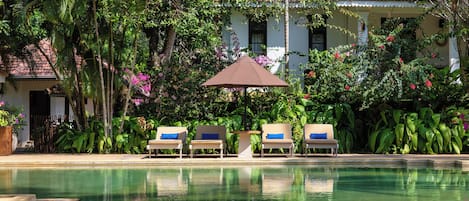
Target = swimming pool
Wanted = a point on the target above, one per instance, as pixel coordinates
(239, 183)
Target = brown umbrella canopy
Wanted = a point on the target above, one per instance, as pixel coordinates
(245, 72)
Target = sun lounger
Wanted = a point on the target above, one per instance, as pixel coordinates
(168, 137)
(276, 136)
(319, 136)
(209, 137)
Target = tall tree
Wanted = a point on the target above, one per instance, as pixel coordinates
(91, 38)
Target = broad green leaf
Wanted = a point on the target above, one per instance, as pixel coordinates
(372, 141)
(399, 132)
(396, 115)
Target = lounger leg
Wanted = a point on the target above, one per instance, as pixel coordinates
(221, 152)
(180, 153)
(192, 153)
(149, 153)
(262, 152)
(336, 150)
(291, 150)
(306, 150)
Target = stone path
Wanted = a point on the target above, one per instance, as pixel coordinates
(73, 160)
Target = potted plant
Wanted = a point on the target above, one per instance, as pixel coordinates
(11, 121)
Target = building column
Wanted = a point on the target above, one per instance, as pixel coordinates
(363, 28)
(453, 54)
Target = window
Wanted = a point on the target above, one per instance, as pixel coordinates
(258, 37)
(317, 37)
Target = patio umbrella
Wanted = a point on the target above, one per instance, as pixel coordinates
(244, 73)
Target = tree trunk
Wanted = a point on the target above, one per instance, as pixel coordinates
(152, 34)
(101, 74)
(169, 44)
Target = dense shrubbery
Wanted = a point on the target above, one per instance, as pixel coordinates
(379, 97)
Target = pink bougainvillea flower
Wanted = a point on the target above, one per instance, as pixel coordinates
(381, 47)
(311, 74)
(137, 101)
(21, 115)
(466, 126)
(143, 77)
(353, 45)
(347, 88)
(434, 55)
(337, 55)
(412, 86)
(263, 60)
(307, 96)
(390, 38)
(2, 103)
(134, 80)
(428, 83)
(401, 61)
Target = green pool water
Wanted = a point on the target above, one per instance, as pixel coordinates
(239, 183)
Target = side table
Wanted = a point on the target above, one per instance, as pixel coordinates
(244, 144)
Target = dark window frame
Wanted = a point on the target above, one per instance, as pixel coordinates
(320, 30)
(258, 27)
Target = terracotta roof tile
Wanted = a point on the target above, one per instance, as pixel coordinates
(33, 65)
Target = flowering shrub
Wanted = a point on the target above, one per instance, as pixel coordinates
(380, 72)
(11, 116)
(263, 60)
(140, 82)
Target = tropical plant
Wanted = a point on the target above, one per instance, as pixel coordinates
(422, 131)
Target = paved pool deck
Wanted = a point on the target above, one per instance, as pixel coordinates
(137, 160)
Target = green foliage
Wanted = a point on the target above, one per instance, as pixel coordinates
(134, 139)
(11, 116)
(421, 131)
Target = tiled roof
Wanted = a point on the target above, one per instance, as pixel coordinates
(379, 4)
(347, 3)
(32, 65)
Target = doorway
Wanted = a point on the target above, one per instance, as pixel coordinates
(39, 110)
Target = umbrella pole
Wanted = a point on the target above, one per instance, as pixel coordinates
(245, 109)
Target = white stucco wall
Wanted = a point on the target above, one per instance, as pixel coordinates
(299, 34)
(19, 97)
(275, 40)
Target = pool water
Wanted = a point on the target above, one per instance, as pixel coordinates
(239, 183)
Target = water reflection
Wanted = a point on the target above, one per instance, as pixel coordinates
(238, 183)
(320, 181)
(277, 181)
(168, 182)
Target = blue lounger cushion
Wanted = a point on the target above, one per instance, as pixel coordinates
(210, 136)
(274, 136)
(169, 136)
(318, 136)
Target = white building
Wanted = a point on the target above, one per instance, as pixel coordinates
(271, 33)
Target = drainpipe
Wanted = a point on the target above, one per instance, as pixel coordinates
(286, 29)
